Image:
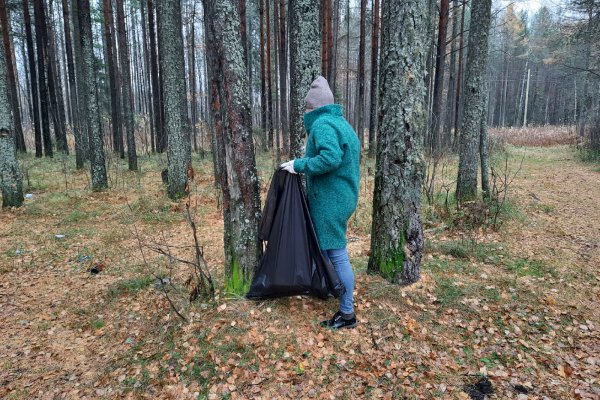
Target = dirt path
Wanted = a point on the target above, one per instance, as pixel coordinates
(67, 334)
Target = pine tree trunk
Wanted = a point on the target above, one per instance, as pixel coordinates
(10, 175)
(304, 64)
(374, 78)
(113, 76)
(76, 122)
(231, 113)
(127, 97)
(263, 77)
(449, 120)
(173, 69)
(192, 76)
(40, 39)
(348, 108)
(397, 235)
(283, 80)
(89, 89)
(80, 82)
(475, 95)
(334, 56)
(55, 88)
(438, 86)
(147, 75)
(34, 83)
(324, 37)
(360, 77)
(12, 81)
(330, 44)
(269, 77)
(157, 95)
(459, 74)
(484, 153)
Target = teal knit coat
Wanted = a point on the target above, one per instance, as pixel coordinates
(332, 167)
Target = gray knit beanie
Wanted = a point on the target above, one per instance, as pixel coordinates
(319, 94)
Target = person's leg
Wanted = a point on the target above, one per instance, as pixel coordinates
(343, 268)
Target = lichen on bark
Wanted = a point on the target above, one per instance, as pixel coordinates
(305, 63)
(235, 164)
(10, 174)
(179, 150)
(466, 184)
(397, 235)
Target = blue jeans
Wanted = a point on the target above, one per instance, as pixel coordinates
(341, 264)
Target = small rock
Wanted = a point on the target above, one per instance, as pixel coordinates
(129, 340)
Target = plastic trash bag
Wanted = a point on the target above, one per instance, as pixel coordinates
(292, 263)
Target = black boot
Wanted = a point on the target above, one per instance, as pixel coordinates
(339, 322)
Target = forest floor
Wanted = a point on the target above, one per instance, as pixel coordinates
(515, 310)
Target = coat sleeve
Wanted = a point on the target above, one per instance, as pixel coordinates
(329, 153)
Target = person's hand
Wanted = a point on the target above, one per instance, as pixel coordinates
(289, 167)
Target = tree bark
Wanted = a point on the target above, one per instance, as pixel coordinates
(10, 176)
(283, 75)
(89, 88)
(172, 65)
(263, 79)
(147, 75)
(40, 39)
(113, 77)
(360, 77)
(397, 235)
(466, 187)
(304, 64)
(192, 72)
(438, 86)
(55, 87)
(76, 122)
(374, 78)
(34, 83)
(231, 113)
(334, 57)
(449, 120)
(269, 78)
(81, 83)
(12, 81)
(127, 97)
(459, 74)
(157, 95)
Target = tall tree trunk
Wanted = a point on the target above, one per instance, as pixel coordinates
(173, 68)
(334, 56)
(324, 37)
(231, 113)
(374, 78)
(360, 76)
(263, 78)
(192, 73)
(149, 89)
(348, 108)
(283, 80)
(127, 97)
(304, 64)
(276, 104)
(438, 86)
(484, 152)
(475, 94)
(40, 39)
(55, 87)
(76, 122)
(12, 81)
(449, 120)
(34, 83)
(397, 235)
(80, 82)
(269, 77)
(459, 73)
(90, 91)
(10, 176)
(113, 76)
(330, 43)
(157, 95)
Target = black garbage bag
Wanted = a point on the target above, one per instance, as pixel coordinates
(292, 263)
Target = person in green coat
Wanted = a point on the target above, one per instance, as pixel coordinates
(332, 167)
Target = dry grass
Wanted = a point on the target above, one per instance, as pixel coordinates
(538, 136)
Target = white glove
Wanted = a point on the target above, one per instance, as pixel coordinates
(289, 167)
